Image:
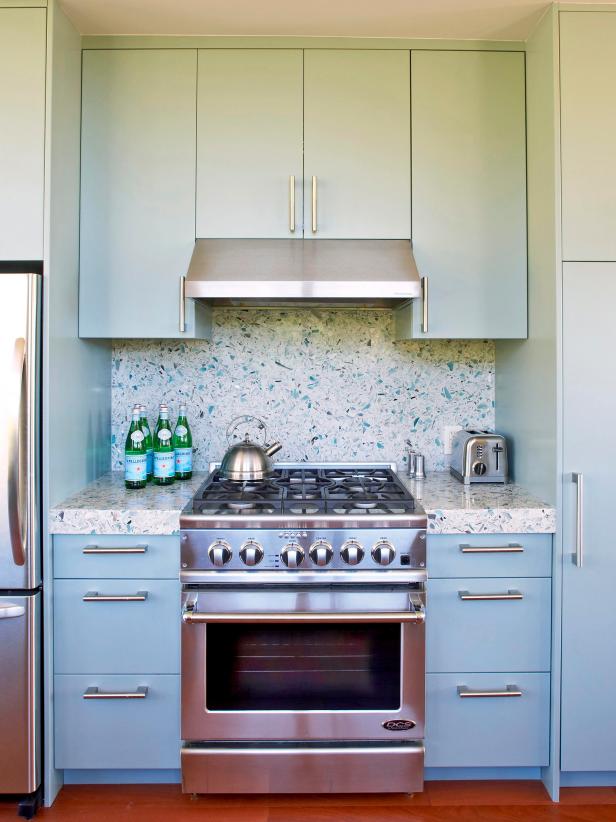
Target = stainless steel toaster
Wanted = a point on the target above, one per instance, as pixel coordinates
(478, 456)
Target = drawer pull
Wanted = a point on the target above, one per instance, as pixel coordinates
(466, 596)
(94, 693)
(96, 549)
(468, 693)
(512, 548)
(94, 596)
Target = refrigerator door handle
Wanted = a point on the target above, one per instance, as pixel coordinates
(10, 610)
(15, 492)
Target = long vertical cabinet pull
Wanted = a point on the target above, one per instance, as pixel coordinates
(314, 204)
(292, 203)
(182, 304)
(424, 305)
(578, 557)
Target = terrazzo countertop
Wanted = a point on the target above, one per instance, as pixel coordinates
(107, 507)
(488, 508)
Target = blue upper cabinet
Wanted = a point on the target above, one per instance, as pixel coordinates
(138, 194)
(249, 143)
(22, 132)
(469, 193)
(588, 122)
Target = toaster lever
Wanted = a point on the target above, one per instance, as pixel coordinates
(498, 450)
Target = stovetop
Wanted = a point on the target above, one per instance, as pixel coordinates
(306, 491)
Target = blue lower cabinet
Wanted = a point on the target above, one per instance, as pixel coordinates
(98, 726)
(122, 556)
(482, 728)
(116, 625)
(465, 632)
(489, 555)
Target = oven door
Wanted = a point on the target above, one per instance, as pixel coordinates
(300, 663)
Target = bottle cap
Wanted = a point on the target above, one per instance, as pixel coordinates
(182, 406)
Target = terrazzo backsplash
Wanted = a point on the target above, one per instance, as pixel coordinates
(330, 385)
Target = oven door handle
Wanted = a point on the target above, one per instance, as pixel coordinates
(416, 614)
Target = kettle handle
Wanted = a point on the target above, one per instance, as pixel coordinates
(237, 425)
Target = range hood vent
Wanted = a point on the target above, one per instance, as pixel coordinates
(350, 273)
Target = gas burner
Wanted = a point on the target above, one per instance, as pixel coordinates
(304, 491)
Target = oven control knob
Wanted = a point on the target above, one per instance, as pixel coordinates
(219, 553)
(292, 555)
(321, 553)
(251, 553)
(383, 552)
(351, 552)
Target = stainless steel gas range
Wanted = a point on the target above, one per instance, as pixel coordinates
(303, 636)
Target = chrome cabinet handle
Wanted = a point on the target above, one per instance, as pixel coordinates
(314, 204)
(578, 557)
(292, 203)
(94, 693)
(512, 548)
(10, 610)
(94, 596)
(15, 494)
(182, 304)
(424, 305)
(510, 690)
(466, 596)
(96, 549)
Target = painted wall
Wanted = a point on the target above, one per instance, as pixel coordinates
(526, 387)
(78, 397)
(331, 385)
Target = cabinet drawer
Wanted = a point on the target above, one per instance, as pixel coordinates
(467, 634)
(120, 556)
(490, 555)
(487, 731)
(123, 636)
(117, 732)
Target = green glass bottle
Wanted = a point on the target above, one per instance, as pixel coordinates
(164, 457)
(182, 445)
(145, 427)
(135, 455)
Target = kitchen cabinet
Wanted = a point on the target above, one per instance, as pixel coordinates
(588, 724)
(117, 662)
(488, 632)
(22, 134)
(588, 122)
(469, 193)
(356, 144)
(249, 143)
(138, 194)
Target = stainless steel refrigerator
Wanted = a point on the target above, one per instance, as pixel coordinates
(20, 533)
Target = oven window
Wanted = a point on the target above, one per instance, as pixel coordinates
(303, 667)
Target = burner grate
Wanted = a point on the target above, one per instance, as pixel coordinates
(307, 491)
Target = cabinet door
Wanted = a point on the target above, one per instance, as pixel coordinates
(469, 192)
(356, 143)
(22, 132)
(589, 615)
(137, 192)
(588, 123)
(249, 143)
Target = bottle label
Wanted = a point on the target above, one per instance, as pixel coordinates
(135, 467)
(181, 431)
(183, 460)
(164, 464)
(137, 436)
(164, 434)
(150, 461)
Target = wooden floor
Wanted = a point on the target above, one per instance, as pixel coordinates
(440, 802)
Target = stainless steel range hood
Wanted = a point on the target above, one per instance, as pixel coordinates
(359, 273)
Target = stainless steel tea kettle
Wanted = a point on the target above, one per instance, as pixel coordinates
(246, 460)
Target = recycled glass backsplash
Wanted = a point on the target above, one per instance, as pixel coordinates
(330, 385)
